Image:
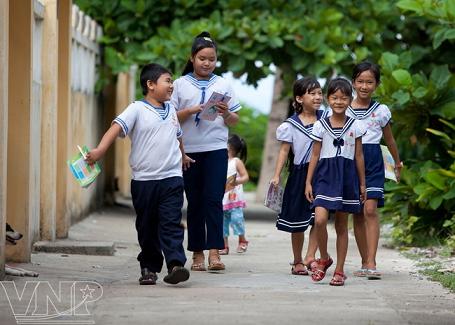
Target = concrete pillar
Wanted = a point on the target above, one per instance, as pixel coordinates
(49, 122)
(4, 28)
(63, 100)
(109, 159)
(20, 168)
(123, 148)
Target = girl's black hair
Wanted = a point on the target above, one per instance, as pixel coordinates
(238, 145)
(365, 66)
(202, 41)
(341, 84)
(301, 87)
(152, 72)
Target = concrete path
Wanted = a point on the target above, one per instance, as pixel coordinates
(256, 288)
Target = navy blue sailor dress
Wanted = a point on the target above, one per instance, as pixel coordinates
(296, 213)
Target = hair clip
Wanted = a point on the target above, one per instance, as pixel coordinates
(208, 39)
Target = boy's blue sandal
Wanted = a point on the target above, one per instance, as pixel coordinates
(373, 274)
(148, 277)
(176, 275)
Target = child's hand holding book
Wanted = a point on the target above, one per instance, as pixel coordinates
(230, 183)
(93, 156)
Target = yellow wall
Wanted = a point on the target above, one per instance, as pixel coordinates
(4, 29)
(48, 174)
(48, 107)
(22, 196)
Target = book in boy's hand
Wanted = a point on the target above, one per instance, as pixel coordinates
(84, 173)
(209, 111)
(389, 164)
(230, 182)
(274, 197)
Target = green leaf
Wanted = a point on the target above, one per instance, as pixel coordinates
(450, 9)
(421, 188)
(440, 75)
(450, 125)
(419, 92)
(450, 34)
(436, 202)
(449, 195)
(401, 96)
(436, 179)
(236, 63)
(389, 61)
(331, 16)
(361, 53)
(438, 38)
(403, 77)
(439, 133)
(446, 111)
(276, 42)
(410, 5)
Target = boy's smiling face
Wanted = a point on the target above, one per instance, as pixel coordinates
(161, 91)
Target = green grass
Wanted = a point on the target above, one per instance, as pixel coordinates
(446, 279)
(430, 269)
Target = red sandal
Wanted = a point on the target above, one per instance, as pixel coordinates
(243, 246)
(338, 279)
(311, 265)
(319, 274)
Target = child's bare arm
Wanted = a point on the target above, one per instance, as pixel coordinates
(391, 144)
(186, 160)
(360, 164)
(282, 156)
(242, 173)
(185, 113)
(311, 168)
(108, 138)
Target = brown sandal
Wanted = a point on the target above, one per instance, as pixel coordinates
(304, 271)
(198, 262)
(215, 263)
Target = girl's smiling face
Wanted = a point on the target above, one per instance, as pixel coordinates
(204, 62)
(365, 84)
(339, 101)
(311, 100)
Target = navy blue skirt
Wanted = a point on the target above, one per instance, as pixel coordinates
(296, 212)
(336, 185)
(374, 172)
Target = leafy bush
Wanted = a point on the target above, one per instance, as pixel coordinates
(420, 82)
(252, 127)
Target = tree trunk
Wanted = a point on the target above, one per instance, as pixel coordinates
(278, 114)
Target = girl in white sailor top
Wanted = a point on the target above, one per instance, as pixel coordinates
(336, 176)
(206, 142)
(375, 117)
(295, 136)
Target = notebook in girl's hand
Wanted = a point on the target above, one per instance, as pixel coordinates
(389, 164)
(209, 110)
(83, 172)
(274, 197)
